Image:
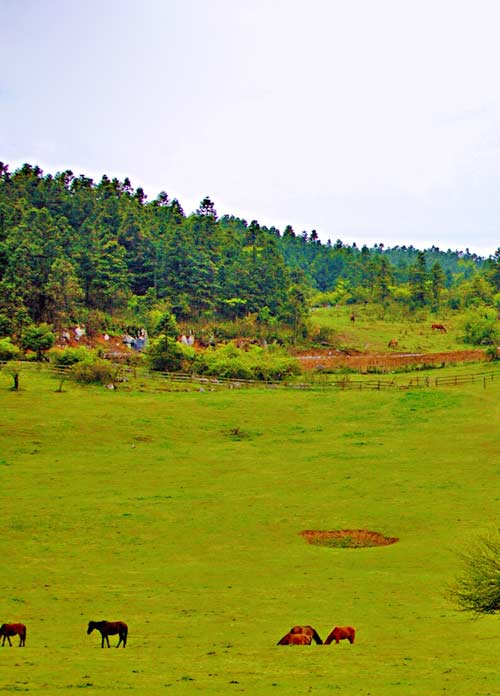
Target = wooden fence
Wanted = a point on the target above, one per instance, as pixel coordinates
(126, 375)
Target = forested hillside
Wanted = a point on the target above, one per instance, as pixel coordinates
(70, 246)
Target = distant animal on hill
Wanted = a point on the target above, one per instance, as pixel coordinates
(295, 639)
(439, 327)
(307, 631)
(14, 629)
(109, 628)
(341, 633)
(352, 317)
(392, 343)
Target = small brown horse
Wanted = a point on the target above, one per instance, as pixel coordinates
(308, 631)
(295, 639)
(439, 327)
(109, 628)
(393, 343)
(341, 633)
(16, 629)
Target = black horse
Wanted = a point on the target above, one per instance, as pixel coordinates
(109, 628)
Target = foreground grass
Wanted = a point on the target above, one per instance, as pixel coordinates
(181, 513)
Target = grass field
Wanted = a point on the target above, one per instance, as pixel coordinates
(150, 509)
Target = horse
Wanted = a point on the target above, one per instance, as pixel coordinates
(393, 343)
(295, 639)
(308, 631)
(341, 633)
(352, 317)
(16, 629)
(439, 327)
(109, 628)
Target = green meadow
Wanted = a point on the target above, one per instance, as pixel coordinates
(181, 513)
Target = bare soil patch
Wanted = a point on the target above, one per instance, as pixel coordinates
(366, 362)
(347, 538)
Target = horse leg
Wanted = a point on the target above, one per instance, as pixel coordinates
(107, 640)
(119, 640)
(8, 638)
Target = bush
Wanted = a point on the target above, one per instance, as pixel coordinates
(165, 354)
(477, 588)
(95, 372)
(8, 351)
(255, 363)
(38, 339)
(480, 328)
(69, 356)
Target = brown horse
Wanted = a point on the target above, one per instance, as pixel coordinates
(109, 628)
(295, 639)
(352, 317)
(16, 629)
(439, 327)
(308, 631)
(393, 343)
(341, 633)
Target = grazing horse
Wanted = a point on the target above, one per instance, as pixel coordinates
(352, 317)
(295, 639)
(439, 327)
(341, 633)
(17, 629)
(109, 628)
(393, 343)
(307, 631)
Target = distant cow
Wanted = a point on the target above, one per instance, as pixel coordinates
(341, 633)
(439, 327)
(392, 343)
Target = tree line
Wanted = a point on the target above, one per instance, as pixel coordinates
(70, 246)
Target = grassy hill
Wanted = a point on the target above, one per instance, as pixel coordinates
(181, 514)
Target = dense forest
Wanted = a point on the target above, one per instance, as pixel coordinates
(70, 247)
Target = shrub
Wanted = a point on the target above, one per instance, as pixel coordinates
(38, 339)
(94, 372)
(480, 327)
(8, 351)
(69, 356)
(165, 354)
(256, 363)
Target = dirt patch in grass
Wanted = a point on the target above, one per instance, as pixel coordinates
(325, 359)
(347, 538)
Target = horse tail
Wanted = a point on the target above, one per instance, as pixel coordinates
(125, 634)
(23, 634)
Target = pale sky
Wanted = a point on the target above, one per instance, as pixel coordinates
(367, 120)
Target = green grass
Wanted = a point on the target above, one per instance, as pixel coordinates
(149, 509)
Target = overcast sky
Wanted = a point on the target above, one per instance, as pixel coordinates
(367, 120)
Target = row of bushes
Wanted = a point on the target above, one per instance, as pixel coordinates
(167, 355)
